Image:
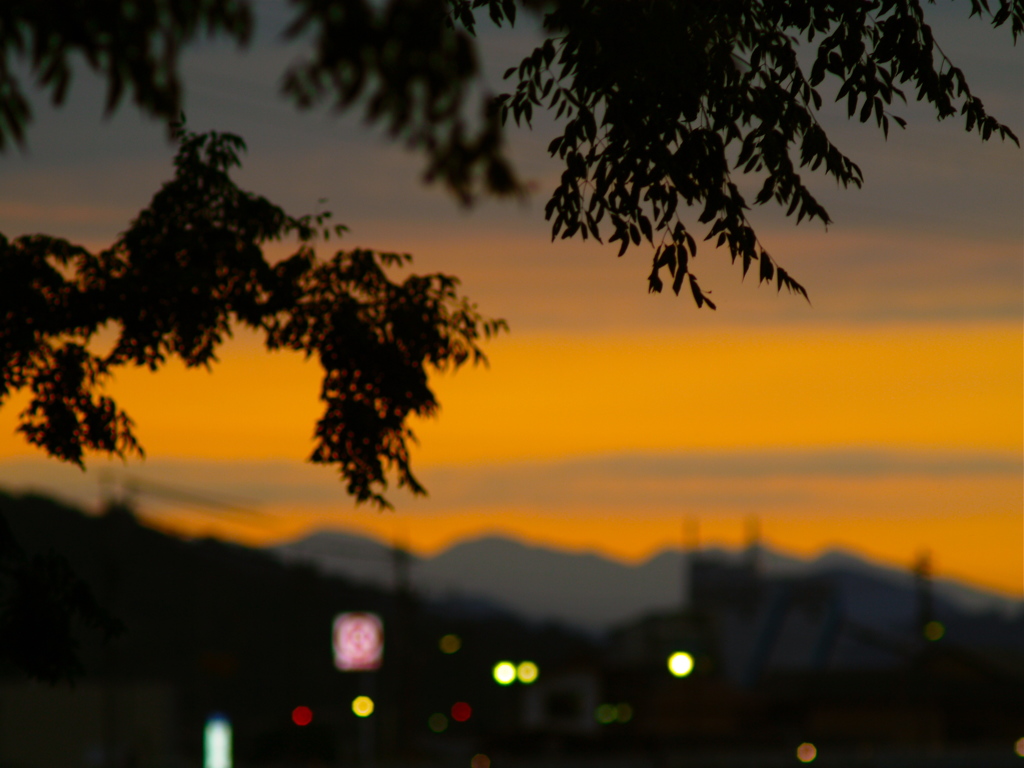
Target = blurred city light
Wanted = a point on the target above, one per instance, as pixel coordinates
(680, 664)
(934, 630)
(527, 672)
(217, 742)
(437, 722)
(302, 715)
(806, 752)
(461, 711)
(362, 706)
(450, 643)
(480, 761)
(358, 641)
(504, 672)
(1019, 747)
(607, 713)
(625, 712)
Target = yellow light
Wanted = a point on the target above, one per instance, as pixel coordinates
(934, 630)
(606, 713)
(362, 706)
(504, 672)
(625, 712)
(450, 643)
(437, 722)
(527, 672)
(680, 664)
(806, 752)
(1019, 747)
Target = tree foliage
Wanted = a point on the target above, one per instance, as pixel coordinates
(661, 106)
(191, 266)
(42, 604)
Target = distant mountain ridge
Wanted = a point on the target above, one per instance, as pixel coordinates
(588, 590)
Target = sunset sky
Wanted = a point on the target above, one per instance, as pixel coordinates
(885, 417)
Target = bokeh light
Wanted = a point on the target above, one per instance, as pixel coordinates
(358, 640)
(437, 722)
(450, 643)
(461, 711)
(217, 751)
(480, 761)
(806, 752)
(1019, 747)
(606, 713)
(504, 672)
(527, 672)
(362, 706)
(302, 715)
(934, 630)
(680, 664)
(624, 712)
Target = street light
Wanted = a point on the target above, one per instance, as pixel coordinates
(504, 673)
(527, 672)
(680, 664)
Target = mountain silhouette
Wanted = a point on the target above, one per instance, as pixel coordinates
(597, 593)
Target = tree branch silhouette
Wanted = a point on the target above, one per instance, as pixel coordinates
(189, 268)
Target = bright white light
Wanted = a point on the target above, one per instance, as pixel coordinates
(504, 672)
(680, 664)
(527, 672)
(217, 742)
(358, 640)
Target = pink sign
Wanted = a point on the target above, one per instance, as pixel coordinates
(358, 641)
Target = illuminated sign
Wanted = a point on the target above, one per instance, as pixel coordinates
(217, 742)
(358, 640)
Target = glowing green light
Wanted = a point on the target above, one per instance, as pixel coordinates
(606, 713)
(934, 630)
(527, 672)
(504, 673)
(437, 722)
(680, 664)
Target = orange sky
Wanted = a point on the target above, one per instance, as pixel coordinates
(885, 418)
(928, 391)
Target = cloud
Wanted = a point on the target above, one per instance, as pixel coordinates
(727, 479)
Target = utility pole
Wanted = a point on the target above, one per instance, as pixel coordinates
(691, 547)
